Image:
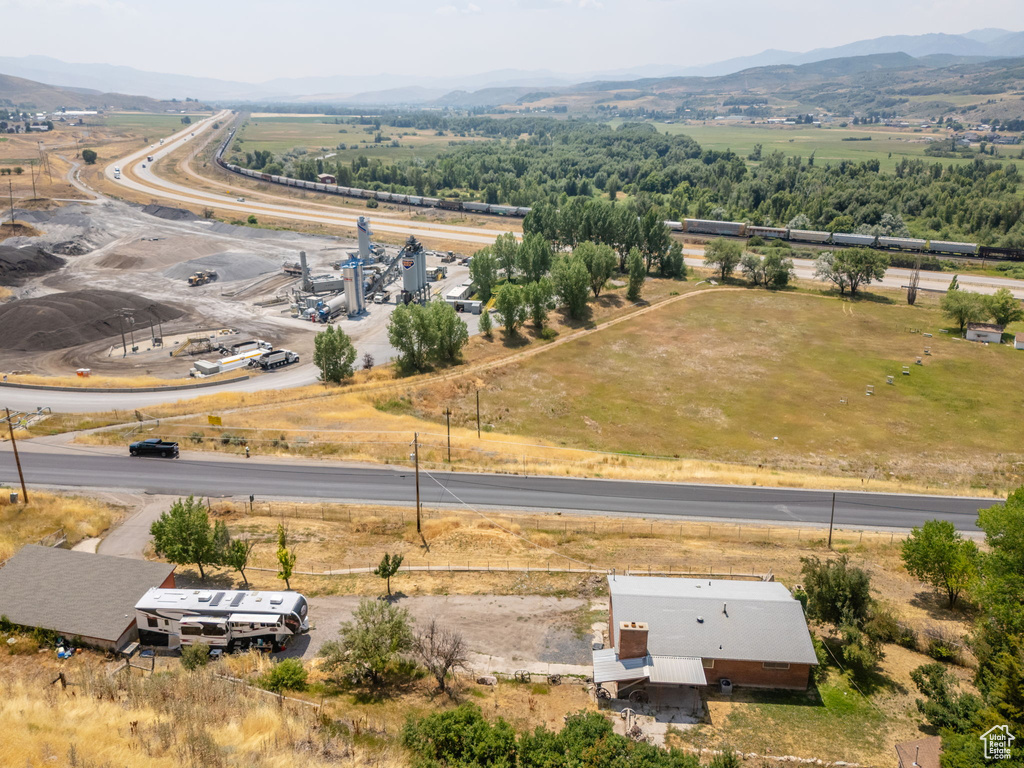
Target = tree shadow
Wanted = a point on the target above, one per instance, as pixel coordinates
(610, 301)
(221, 580)
(516, 340)
(936, 605)
(873, 298)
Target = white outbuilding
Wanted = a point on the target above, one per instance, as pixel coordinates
(989, 332)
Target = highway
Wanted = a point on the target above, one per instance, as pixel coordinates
(290, 479)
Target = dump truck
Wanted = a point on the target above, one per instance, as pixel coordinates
(275, 359)
(154, 446)
(202, 277)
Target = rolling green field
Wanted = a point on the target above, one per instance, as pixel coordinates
(138, 122)
(316, 133)
(827, 143)
(759, 378)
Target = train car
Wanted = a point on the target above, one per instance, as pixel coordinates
(431, 202)
(344, 190)
(450, 205)
(768, 233)
(265, 177)
(503, 210)
(809, 236)
(902, 243)
(522, 211)
(675, 226)
(848, 238)
(706, 227)
(414, 200)
(957, 249)
(397, 198)
(1009, 254)
(384, 197)
(477, 207)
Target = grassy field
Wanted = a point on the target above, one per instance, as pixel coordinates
(320, 134)
(774, 380)
(27, 523)
(888, 145)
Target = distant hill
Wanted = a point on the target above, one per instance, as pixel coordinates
(28, 94)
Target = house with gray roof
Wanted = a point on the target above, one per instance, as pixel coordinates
(78, 594)
(695, 632)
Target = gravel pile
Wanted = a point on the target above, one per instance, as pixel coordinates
(230, 265)
(171, 214)
(16, 264)
(62, 320)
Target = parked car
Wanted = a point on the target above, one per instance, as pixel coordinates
(154, 446)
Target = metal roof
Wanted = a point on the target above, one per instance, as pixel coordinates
(716, 619)
(203, 600)
(665, 670)
(75, 593)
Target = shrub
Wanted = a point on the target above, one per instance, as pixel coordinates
(548, 334)
(371, 203)
(755, 241)
(286, 675)
(251, 220)
(195, 656)
(196, 437)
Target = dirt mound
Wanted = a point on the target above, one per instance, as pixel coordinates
(171, 214)
(18, 229)
(63, 320)
(16, 264)
(229, 265)
(71, 248)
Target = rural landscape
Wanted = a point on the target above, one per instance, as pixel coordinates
(655, 409)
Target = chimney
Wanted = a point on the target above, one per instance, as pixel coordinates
(632, 639)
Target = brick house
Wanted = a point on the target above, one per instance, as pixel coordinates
(696, 632)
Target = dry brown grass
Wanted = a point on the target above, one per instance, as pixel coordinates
(169, 720)
(80, 517)
(107, 382)
(17, 229)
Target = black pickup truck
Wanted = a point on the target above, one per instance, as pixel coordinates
(154, 446)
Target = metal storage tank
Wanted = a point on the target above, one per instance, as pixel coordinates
(364, 232)
(352, 273)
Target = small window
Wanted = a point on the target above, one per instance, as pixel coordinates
(152, 621)
(775, 665)
(708, 663)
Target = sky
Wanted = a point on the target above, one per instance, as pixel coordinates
(259, 40)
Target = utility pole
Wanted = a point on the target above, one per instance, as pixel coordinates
(830, 521)
(478, 414)
(17, 459)
(448, 418)
(416, 454)
(124, 344)
(32, 170)
(10, 188)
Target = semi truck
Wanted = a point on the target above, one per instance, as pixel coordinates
(154, 446)
(275, 359)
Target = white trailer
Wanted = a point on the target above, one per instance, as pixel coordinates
(227, 619)
(459, 292)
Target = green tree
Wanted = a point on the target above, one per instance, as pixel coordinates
(771, 270)
(637, 275)
(285, 557)
(851, 268)
(837, 593)
(510, 304)
(535, 257)
(284, 675)
(944, 706)
(388, 567)
(1002, 583)
(938, 554)
(723, 255)
(538, 296)
(628, 234)
(195, 656)
(334, 354)
(184, 535)
(963, 307)
(450, 332)
(1004, 308)
(674, 265)
(572, 284)
(236, 555)
(486, 326)
(506, 252)
(612, 187)
(89, 156)
(656, 238)
(412, 333)
(378, 634)
(484, 271)
(599, 261)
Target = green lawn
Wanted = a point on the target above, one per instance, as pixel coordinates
(755, 377)
(826, 143)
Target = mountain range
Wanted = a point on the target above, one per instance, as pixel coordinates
(389, 89)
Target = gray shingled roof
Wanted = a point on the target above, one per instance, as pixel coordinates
(738, 620)
(75, 593)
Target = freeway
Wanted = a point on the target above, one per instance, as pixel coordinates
(290, 479)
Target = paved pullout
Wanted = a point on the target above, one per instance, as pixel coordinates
(83, 468)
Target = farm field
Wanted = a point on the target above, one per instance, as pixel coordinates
(316, 133)
(827, 143)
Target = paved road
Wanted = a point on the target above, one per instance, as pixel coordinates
(76, 468)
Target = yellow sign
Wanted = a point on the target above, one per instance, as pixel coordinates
(214, 420)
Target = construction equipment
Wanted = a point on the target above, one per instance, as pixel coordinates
(194, 346)
(202, 277)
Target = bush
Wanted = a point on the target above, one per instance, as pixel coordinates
(196, 437)
(371, 203)
(548, 334)
(755, 241)
(195, 656)
(89, 156)
(286, 675)
(251, 220)
(226, 438)
(909, 260)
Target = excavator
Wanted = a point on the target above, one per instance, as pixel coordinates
(202, 277)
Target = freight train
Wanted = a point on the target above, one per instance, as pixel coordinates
(690, 226)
